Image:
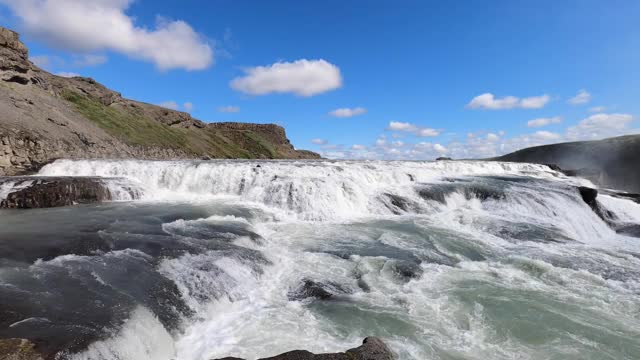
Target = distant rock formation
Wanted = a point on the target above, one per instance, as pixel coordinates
(611, 163)
(372, 348)
(46, 117)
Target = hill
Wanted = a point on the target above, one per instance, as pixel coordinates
(612, 163)
(45, 117)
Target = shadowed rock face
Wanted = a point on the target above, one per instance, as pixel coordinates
(33, 192)
(611, 163)
(372, 348)
(47, 117)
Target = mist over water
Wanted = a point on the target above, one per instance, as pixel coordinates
(444, 260)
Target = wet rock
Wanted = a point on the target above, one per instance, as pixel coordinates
(317, 290)
(18, 349)
(406, 270)
(554, 167)
(54, 192)
(588, 195)
(372, 348)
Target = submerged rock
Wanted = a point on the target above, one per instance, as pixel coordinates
(372, 348)
(313, 289)
(18, 349)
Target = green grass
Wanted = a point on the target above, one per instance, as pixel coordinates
(134, 130)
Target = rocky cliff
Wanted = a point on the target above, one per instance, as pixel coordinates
(612, 163)
(45, 117)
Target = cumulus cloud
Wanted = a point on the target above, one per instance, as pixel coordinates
(546, 135)
(229, 109)
(348, 112)
(414, 129)
(540, 122)
(582, 97)
(188, 106)
(94, 25)
(319, 141)
(302, 77)
(600, 125)
(488, 101)
(358, 147)
(89, 60)
(597, 109)
(493, 137)
(439, 148)
(170, 105)
(67, 74)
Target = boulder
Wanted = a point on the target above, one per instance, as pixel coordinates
(46, 192)
(372, 348)
(317, 290)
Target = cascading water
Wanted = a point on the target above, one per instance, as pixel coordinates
(444, 260)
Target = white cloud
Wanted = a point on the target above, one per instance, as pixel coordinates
(600, 125)
(43, 61)
(546, 135)
(398, 143)
(319, 141)
(347, 112)
(170, 105)
(439, 148)
(414, 129)
(302, 77)
(229, 109)
(188, 106)
(67, 74)
(492, 137)
(86, 26)
(89, 60)
(488, 101)
(582, 97)
(540, 122)
(358, 147)
(597, 109)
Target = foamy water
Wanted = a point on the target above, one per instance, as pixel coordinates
(444, 260)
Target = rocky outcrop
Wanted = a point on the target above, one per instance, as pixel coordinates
(18, 349)
(44, 117)
(36, 192)
(611, 163)
(372, 348)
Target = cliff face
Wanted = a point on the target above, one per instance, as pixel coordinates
(611, 163)
(45, 117)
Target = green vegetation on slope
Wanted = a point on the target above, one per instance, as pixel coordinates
(134, 130)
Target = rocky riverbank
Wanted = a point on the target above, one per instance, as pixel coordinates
(45, 192)
(47, 117)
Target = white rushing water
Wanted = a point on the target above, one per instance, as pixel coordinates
(444, 260)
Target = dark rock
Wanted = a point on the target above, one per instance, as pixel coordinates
(588, 195)
(554, 167)
(406, 270)
(372, 348)
(610, 163)
(42, 192)
(443, 158)
(313, 289)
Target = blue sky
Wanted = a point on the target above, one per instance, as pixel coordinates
(420, 78)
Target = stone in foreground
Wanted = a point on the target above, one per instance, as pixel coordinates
(372, 348)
